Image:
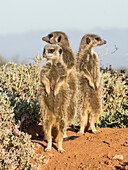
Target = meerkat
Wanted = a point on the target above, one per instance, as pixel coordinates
(61, 39)
(54, 94)
(89, 83)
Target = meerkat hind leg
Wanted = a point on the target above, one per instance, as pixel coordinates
(60, 140)
(49, 139)
(65, 134)
(92, 124)
(83, 122)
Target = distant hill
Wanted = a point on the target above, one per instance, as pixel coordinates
(26, 45)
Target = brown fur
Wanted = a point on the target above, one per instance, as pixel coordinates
(89, 82)
(61, 39)
(54, 95)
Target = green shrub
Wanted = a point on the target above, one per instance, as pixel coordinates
(115, 103)
(19, 108)
(16, 148)
(20, 82)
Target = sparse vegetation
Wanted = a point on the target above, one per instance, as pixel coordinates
(20, 82)
(16, 148)
(115, 103)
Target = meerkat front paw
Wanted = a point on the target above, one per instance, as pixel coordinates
(48, 90)
(97, 84)
(55, 92)
(91, 84)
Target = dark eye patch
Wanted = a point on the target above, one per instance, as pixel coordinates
(51, 50)
(50, 36)
(59, 39)
(97, 39)
(88, 40)
(60, 51)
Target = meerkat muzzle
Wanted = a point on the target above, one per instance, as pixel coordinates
(45, 39)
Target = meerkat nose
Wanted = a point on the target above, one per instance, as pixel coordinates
(45, 38)
(105, 42)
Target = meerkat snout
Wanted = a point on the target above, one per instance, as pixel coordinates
(47, 39)
(105, 42)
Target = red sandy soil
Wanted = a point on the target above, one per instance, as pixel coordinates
(87, 152)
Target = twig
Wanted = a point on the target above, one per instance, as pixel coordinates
(108, 53)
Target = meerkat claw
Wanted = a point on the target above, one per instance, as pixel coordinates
(80, 133)
(61, 150)
(96, 132)
(47, 150)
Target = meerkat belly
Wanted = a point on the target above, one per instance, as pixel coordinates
(72, 80)
(53, 102)
(83, 85)
(53, 77)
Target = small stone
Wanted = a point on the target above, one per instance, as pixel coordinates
(51, 155)
(109, 155)
(118, 157)
(45, 160)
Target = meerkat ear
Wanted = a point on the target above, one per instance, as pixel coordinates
(60, 51)
(88, 40)
(59, 39)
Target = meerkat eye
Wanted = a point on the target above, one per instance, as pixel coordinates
(60, 51)
(88, 40)
(50, 36)
(51, 50)
(59, 39)
(97, 39)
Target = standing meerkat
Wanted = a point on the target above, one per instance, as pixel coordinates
(61, 39)
(54, 94)
(89, 82)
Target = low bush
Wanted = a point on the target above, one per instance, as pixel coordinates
(16, 148)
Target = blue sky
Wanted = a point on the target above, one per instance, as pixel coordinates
(18, 16)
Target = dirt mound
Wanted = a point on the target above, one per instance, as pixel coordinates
(88, 151)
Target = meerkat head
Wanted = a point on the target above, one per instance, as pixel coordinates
(52, 52)
(92, 40)
(59, 38)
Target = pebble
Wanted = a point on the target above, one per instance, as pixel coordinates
(118, 157)
(45, 160)
(51, 155)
